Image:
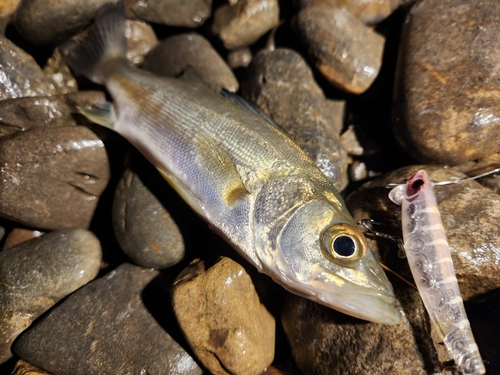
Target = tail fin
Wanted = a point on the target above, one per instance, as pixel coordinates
(105, 41)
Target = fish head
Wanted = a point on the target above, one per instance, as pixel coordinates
(319, 253)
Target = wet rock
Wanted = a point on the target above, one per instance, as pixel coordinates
(184, 13)
(346, 52)
(143, 227)
(369, 12)
(57, 173)
(282, 85)
(59, 74)
(242, 24)
(239, 58)
(24, 368)
(21, 75)
(54, 21)
(176, 54)
(141, 39)
(20, 235)
(115, 332)
(470, 214)
(221, 316)
(447, 107)
(486, 165)
(49, 111)
(36, 274)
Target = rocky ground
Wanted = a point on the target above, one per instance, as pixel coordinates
(105, 270)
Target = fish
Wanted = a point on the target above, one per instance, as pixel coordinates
(238, 171)
(429, 257)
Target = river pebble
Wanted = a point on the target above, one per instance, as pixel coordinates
(243, 23)
(36, 274)
(24, 368)
(176, 54)
(59, 74)
(7, 10)
(141, 39)
(447, 104)
(59, 179)
(115, 334)
(228, 336)
(346, 52)
(20, 235)
(143, 227)
(282, 85)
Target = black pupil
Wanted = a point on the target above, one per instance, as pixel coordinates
(416, 184)
(344, 246)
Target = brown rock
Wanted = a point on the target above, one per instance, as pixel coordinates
(176, 54)
(24, 368)
(369, 12)
(345, 51)
(447, 103)
(245, 22)
(141, 39)
(282, 85)
(185, 13)
(221, 316)
(59, 74)
(239, 58)
(52, 177)
(21, 75)
(20, 235)
(7, 9)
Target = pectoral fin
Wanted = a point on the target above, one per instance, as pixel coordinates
(221, 171)
(102, 114)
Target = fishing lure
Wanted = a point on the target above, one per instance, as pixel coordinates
(430, 262)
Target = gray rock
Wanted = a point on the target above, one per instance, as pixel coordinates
(49, 111)
(20, 74)
(143, 227)
(242, 24)
(111, 329)
(176, 54)
(446, 102)
(54, 21)
(282, 85)
(345, 51)
(369, 12)
(223, 320)
(141, 39)
(52, 178)
(59, 74)
(184, 13)
(36, 274)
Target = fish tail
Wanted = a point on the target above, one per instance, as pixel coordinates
(105, 41)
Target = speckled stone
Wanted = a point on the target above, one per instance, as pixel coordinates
(59, 74)
(21, 75)
(141, 39)
(446, 93)
(176, 54)
(143, 227)
(243, 23)
(282, 85)
(54, 21)
(20, 235)
(36, 274)
(185, 13)
(345, 51)
(221, 316)
(110, 328)
(57, 173)
(369, 12)
(48, 111)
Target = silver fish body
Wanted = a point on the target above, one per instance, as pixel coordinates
(246, 178)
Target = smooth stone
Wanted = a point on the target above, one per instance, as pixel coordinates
(20, 235)
(475, 168)
(447, 107)
(108, 324)
(183, 13)
(22, 114)
(176, 54)
(59, 74)
(470, 214)
(143, 227)
(222, 318)
(54, 21)
(346, 52)
(243, 23)
(36, 274)
(239, 58)
(7, 10)
(282, 85)
(57, 173)
(370, 12)
(141, 40)
(21, 75)
(24, 368)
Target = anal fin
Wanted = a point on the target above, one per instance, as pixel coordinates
(102, 114)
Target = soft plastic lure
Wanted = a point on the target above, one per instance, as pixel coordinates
(430, 262)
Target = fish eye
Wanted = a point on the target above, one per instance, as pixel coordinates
(343, 243)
